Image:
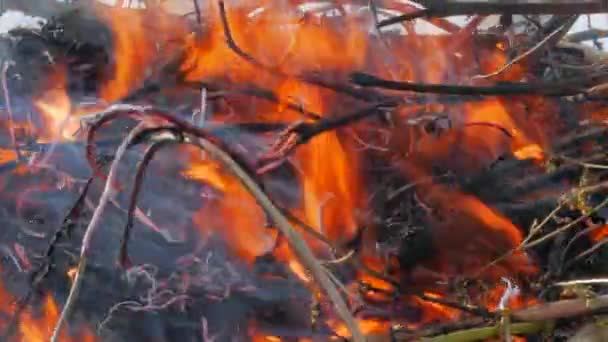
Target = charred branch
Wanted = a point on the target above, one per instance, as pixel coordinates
(459, 7)
(569, 88)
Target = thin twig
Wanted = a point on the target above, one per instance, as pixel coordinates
(91, 228)
(603, 242)
(594, 281)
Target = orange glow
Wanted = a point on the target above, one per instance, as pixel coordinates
(37, 326)
(332, 192)
(7, 155)
(279, 37)
(330, 187)
(532, 151)
(132, 53)
(600, 233)
(72, 273)
(433, 312)
(40, 329)
(493, 112)
(477, 230)
(367, 326)
(261, 338)
(492, 298)
(235, 214)
(55, 106)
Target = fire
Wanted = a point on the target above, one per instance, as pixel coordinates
(433, 312)
(279, 37)
(72, 273)
(134, 48)
(240, 219)
(55, 106)
(599, 234)
(328, 168)
(367, 326)
(37, 325)
(475, 229)
(493, 112)
(39, 328)
(275, 44)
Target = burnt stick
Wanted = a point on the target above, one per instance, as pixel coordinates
(138, 182)
(510, 7)
(43, 269)
(556, 89)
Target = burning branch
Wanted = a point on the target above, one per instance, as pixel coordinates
(559, 89)
(510, 7)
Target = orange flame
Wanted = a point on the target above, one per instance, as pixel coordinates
(134, 49)
(285, 37)
(235, 214)
(599, 234)
(55, 106)
(37, 326)
(332, 182)
(40, 328)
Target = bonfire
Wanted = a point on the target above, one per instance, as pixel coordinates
(304, 171)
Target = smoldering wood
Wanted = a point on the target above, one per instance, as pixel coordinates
(268, 297)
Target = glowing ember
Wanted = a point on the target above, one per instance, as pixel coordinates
(72, 273)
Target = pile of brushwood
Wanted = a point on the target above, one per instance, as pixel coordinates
(170, 286)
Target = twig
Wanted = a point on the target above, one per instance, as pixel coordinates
(399, 6)
(586, 253)
(528, 243)
(91, 228)
(582, 282)
(301, 132)
(578, 220)
(524, 55)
